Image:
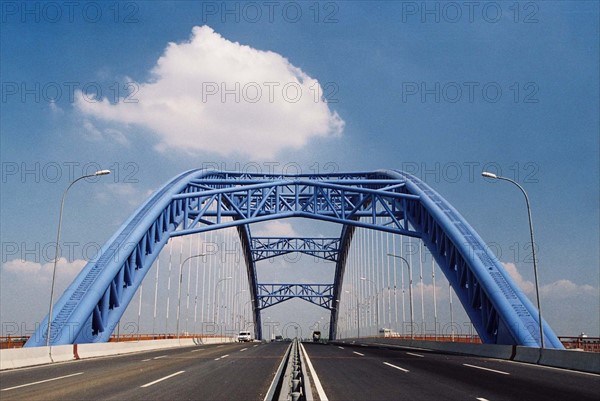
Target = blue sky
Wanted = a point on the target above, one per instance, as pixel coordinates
(438, 89)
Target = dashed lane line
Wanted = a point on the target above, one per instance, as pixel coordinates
(413, 354)
(396, 367)
(488, 369)
(358, 353)
(162, 378)
(41, 381)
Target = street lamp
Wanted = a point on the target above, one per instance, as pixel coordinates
(56, 252)
(179, 289)
(535, 273)
(376, 302)
(357, 315)
(410, 295)
(215, 297)
(234, 310)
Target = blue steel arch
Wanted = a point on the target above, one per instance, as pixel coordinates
(203, 200)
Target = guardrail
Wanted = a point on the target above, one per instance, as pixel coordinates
(291, 382)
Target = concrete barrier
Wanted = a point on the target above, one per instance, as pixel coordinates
(61, 353)
(571, 359)
(21, 357)
(527, 354)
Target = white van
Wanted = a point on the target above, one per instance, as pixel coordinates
(244, 336)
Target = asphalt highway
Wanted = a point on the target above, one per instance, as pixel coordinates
(371, 373)
(245, 372)
(226, 372)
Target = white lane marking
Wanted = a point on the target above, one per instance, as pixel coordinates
(358, 353)
(481, 399)
(313, 373)
(163, 378)
(341, 347)
(219, 346)
(146, 360)
(549, 367)
(419, 355)
(243, 349)
(221, 357)
(255, 346)
(41, 381)
(160, 357)
(396, 367)
(196, 350)
(489, 370)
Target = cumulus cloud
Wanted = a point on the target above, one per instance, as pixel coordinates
(275, 228)
(212, 94)
(526, 286)
(109, 134)
(25, 289)
(559, 289)
(42, 272)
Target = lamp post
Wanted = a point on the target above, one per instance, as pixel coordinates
(376, 302)
(179, 289)
(357, 315)
(56, 253)
(215, 297)
(234, 310)
(535, 272)
(410, 294)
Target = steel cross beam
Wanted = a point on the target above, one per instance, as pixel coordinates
(270, 247)
(273, 294)
(375, 204)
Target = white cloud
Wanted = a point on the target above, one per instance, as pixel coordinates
(526, 286)
(25, 289)
(56, 109)
(275, 228)
(129, 193)
(559, 289)
(566, 289)
(42, 272)
(220, 96)
(108, 134)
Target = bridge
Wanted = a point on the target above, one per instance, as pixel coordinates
(384, 221)
(388, 202)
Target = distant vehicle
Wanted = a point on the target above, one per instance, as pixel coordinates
(244, 336)
(278, 338)
(316, 336)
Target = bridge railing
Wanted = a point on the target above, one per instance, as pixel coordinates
(589, 344)
(462, 338)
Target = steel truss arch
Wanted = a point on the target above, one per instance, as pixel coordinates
(204, 200)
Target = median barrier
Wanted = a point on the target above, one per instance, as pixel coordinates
(61, 353)
(13, 358)
(571, 359)
(527, 354)
(19, 357)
